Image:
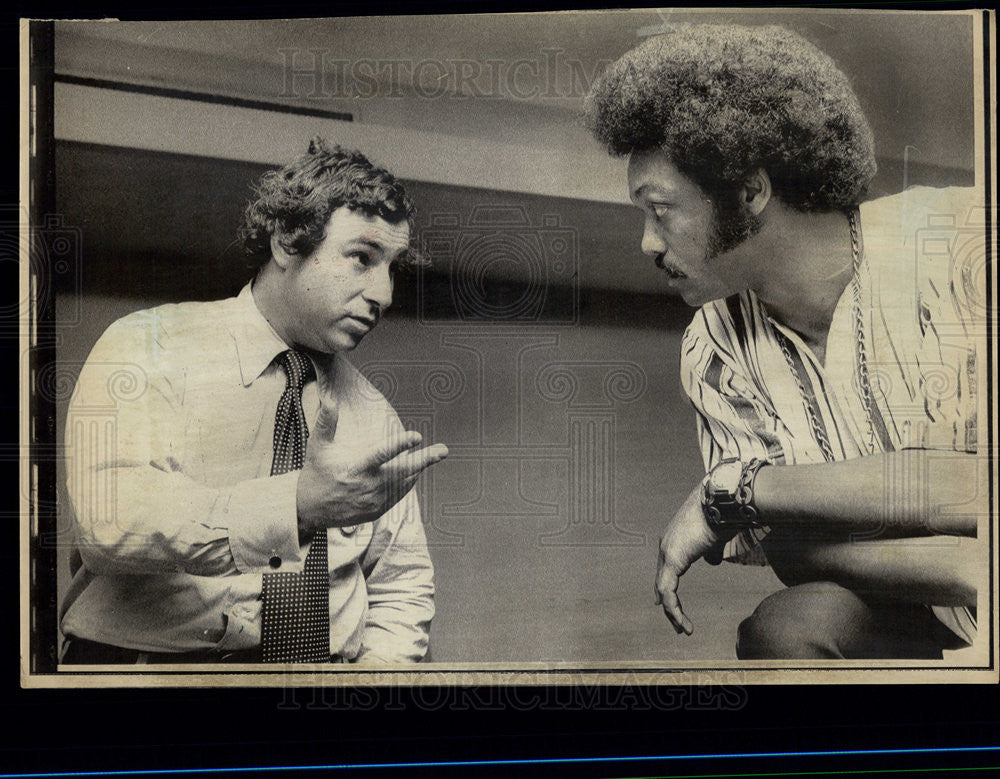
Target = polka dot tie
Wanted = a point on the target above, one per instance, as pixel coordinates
(296, 611)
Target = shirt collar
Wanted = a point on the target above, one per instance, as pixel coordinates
(257, 343)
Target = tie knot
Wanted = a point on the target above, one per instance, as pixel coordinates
(298, 368)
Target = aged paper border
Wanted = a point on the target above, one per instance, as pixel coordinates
(525, 674)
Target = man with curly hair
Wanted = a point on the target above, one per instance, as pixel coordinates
(815, 347)
(253, 501)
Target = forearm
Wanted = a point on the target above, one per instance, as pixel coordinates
(135, 519)
(397, 632)
(910, 493)
(935, 570)
(155, 521)
(400, 584)
(166, 613)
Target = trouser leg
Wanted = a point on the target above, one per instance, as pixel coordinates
(822, 620)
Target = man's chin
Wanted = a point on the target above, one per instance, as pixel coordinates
(691, 297)
(696, 294)
(694, 300)
(340, 342)
(348, 343)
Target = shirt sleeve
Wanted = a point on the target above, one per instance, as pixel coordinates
(951, 265)
(400, 581)
(732, 419)
(136, 511)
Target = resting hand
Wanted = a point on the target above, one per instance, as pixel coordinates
(340, 486)
(687, 538)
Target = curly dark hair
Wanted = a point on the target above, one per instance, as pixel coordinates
(295, 203)
(722, 101)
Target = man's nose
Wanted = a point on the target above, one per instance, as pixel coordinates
(378, 290)
(651, 241)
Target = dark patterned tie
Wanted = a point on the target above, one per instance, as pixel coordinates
(296, 613)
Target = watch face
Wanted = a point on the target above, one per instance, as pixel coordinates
(726, 476)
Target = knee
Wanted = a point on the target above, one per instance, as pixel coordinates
(762, 637)
(785, 627)
(752, 639)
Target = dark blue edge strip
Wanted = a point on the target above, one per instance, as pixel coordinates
(522, 761)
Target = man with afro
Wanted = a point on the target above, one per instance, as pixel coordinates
(832, 368)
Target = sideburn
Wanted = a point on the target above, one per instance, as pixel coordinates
(731, 224)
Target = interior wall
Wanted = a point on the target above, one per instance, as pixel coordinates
(543, 524)
(912, 72)
(554, 383)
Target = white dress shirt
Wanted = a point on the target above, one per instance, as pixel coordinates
(169, 439)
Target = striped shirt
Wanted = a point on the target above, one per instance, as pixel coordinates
(921, 299)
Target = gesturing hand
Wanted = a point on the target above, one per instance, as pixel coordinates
(340, 485)
(686, 538)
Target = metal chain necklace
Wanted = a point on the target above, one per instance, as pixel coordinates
(864, 383)
(808, 402)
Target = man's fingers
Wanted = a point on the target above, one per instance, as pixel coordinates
(409, 465)
(656, 578)
(678, 620)
(673, 611)
(666, 587)
(391, 447)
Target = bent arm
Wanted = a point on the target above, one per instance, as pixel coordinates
(909, 493)
(137, 511)
(158, 521)
(899, 524)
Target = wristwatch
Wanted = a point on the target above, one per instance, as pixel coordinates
(728, 498)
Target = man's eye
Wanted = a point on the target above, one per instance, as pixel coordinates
(363, 257)
(659, 209)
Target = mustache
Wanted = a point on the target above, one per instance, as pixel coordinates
(658, 261)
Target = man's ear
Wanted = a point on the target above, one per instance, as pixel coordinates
(756, 192)
(280, 254)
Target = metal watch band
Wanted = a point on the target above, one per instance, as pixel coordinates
(745, 496)
(729, 512)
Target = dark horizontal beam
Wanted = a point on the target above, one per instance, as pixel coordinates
(202, 97)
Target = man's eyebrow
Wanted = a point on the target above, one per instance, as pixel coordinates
(371, 242)
(375, 245)
(646, 189)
